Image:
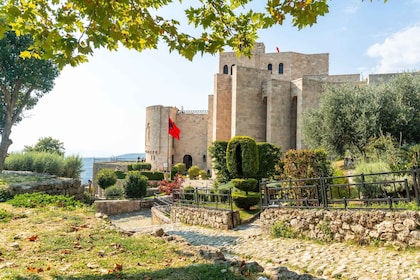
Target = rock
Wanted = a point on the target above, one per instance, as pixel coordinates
(159, 232)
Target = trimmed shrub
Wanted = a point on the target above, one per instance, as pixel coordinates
(245, 201)
(180, 167)
(153, 175)
(114, 192)
(141, 166)
(106, 177)
(246, 185)
(135, 185)
(193, 172)
(242, 157)
(203, 174)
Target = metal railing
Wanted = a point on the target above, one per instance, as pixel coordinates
(353, 191)
(203, 198)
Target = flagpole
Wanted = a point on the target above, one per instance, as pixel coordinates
(167, 158)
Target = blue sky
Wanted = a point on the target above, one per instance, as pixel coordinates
(98, 108)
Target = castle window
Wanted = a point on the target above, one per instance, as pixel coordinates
(204, 158)
(270, 68)
(281, 68)
(225, 69)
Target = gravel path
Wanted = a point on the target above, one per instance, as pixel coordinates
(323, 261)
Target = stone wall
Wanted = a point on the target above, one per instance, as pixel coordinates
(114, 207)
(52, 186)
(158, 217)
(364, 227)
(218, 219)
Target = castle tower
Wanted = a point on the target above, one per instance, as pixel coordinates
(159, 146)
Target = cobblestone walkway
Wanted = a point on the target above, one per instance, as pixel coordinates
(323, 261)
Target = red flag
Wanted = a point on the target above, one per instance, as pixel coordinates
(173, 130)
(277, 49)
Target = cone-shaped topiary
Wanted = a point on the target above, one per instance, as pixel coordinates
(242, 157)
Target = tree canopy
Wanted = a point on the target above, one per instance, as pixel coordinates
(67, 31)
(348, 116)
(47, 144)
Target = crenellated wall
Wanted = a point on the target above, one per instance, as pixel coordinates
(364, 227)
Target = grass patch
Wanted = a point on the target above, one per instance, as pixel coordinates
(50, 242)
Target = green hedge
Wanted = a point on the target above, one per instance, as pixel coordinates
(141, 166)
(153, 175)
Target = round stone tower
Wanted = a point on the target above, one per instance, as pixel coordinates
(158, 143)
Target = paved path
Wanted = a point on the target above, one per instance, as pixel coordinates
(322, 261)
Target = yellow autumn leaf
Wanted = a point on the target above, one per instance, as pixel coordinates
(25, 54)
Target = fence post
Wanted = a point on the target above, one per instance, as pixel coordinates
(415, 174)
(323, 192)
(230, 199)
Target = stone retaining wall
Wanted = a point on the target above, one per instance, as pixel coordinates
(158, 217)
(219, 219)
(114, 207)
(364, 227)
(52, 186)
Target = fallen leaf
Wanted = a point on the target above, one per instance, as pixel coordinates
(33, 237)
(118, 267)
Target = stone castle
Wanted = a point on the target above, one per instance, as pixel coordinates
(263, 97)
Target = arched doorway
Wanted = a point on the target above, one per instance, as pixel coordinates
(187, 160)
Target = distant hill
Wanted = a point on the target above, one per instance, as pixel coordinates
(132, 155)
(86, 174)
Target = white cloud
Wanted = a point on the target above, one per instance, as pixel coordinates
(351, 9)
(399, 52)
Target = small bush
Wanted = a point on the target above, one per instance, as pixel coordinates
(203, 174)
(282, 229)
(5, 216)
(120, 174)
(114, 192)
(224, 191)
(5, 193)
(72, 167)
(244, 201)
(135, 185)
(106, 177)
(188, 192)
(193, 172)
(180, 167)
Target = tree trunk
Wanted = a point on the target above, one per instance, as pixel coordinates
(5, 140)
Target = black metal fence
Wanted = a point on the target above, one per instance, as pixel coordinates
(384, 190)
(203, 198)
